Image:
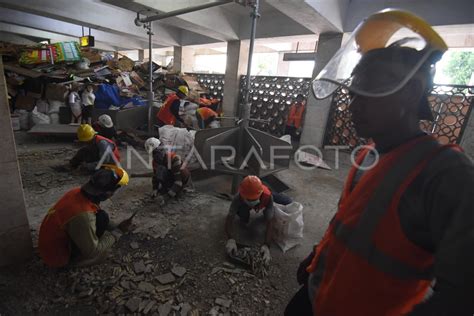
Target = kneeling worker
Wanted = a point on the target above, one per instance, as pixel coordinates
(206, 118)
(75, 228)
(169, 173)
(253, 195)
(99, 150)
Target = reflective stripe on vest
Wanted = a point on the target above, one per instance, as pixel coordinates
(369, 264)
(164, 114)
(115, 151)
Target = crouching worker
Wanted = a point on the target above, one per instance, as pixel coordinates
(170, 175)
(105, 127)
(98, 150)
(253, 195)
(206, 118)
(76, 230)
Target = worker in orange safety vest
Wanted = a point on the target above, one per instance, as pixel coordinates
(98, 150)
(405, 217)
(75, 230)
(294, 122)
(169, 113)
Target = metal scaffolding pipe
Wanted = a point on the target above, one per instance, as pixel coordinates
(184, 11)
(245, 106)
(151, 95)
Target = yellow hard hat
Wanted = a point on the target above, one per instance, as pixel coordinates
(184, 90)
(392, 30)
(120, 172)
(85, 133)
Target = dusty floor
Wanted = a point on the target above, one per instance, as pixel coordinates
(187, 233)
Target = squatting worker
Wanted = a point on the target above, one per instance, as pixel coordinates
(409, 220)
(76, 230)
(253, 195)
(97, 150)
(169, 113)
(170, 175)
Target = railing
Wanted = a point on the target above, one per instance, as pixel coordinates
(451, 106)
(271, 98)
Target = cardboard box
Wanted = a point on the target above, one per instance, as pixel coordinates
(25, 102)
(55, 92)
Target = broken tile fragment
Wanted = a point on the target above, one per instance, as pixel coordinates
(166, 278)
(178, 271)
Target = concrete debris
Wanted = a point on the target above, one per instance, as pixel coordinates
(146, 287)
(178, 271)
(134, 245)
(185, 309)
(164, 309)
(148, 307)
(133, 304)
(223, 302)
(214, 311)
(166, 278)
(86, 293)
(139, 267)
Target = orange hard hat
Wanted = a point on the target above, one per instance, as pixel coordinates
(251, 188)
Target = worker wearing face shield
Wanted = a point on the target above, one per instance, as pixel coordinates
(407, 221)
(254, 196)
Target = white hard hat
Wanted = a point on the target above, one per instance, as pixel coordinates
(151, 144)
(106, 121)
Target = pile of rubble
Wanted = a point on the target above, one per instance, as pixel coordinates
(39, 79)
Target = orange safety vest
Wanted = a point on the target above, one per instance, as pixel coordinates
(264, 199)
(54, 244)
(164, 114)
(295, 116)
(369, 265)
(206, 113)
(115, 151)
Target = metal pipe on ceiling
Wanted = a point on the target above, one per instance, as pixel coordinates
(184, 11)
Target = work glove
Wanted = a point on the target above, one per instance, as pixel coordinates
(266, 254)
(231, 247)
(301, 274)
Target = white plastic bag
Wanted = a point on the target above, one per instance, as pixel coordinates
(180, 139)
(39, 118)
(288, 226)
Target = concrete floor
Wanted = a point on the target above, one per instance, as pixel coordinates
(201, 217)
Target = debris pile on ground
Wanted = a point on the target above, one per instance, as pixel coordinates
(254, 259)
(40, 84)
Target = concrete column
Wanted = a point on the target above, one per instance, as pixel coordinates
(141, 54)
(183, 59)
(283, 67)
(15, 238)
(317, 111)
(236, 65)
(177, 58)
(467, 140)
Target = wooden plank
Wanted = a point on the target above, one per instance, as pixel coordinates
(22, 71)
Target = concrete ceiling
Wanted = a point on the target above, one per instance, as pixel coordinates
(112, 21)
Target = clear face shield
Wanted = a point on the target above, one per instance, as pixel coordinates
(353, 68)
